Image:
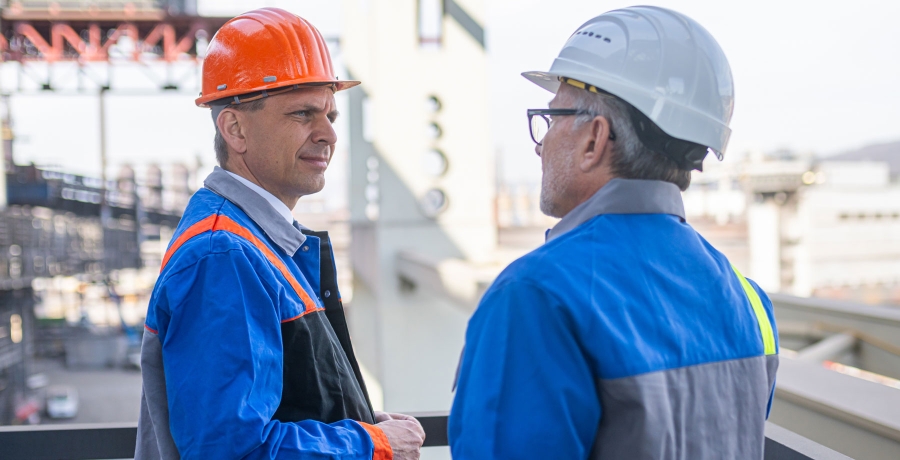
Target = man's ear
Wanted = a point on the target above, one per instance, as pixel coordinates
(595, 151)
(229, 124)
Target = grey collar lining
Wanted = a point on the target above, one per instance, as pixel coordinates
(283, 234)
(624, 196)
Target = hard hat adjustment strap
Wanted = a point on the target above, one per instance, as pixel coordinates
(250, 97)
(262, 94)
(686, 154)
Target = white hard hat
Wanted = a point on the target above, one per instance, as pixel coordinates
(661, 62)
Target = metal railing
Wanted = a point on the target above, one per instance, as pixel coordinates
(116, 441)
(857, 410)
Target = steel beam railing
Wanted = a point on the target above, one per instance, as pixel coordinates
(116, 441)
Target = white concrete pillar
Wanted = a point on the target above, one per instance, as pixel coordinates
(425, 97)
(764, 235)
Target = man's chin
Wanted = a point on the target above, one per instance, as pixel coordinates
(312, 187)
(549, 208)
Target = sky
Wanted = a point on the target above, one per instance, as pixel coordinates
(820, 77)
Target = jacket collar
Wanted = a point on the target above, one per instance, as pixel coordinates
(283, 234)
(271, 199)
(623, 196)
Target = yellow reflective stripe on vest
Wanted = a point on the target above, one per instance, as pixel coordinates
(765, 327)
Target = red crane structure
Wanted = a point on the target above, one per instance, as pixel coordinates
(77, 44)
(32, 31)
(83, 32)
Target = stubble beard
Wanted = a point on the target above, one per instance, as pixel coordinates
(312, 185)
(553, 184)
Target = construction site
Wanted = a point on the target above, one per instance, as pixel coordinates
(421, 221)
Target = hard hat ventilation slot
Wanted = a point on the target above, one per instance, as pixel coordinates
(270, 79)
(597, 36)
(221, 87)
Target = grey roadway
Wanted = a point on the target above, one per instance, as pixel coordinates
(104, 395)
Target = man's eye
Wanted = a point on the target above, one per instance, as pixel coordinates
(302, 113)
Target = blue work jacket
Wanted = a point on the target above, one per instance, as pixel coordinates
(625, 336)
(246, 353)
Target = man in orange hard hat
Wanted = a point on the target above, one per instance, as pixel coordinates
(246, 352)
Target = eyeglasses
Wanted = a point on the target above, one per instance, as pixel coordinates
(539, 122)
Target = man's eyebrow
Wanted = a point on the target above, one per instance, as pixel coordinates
(315, 109)
(307, 107)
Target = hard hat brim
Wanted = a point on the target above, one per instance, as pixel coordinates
(339, 85)
(546, 80)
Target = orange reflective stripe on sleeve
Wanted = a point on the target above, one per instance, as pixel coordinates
(383, 449)
(204, 225)
(218, 222)
(228, 225)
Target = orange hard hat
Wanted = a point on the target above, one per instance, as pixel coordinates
(264, 50)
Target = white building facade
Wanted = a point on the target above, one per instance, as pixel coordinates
(821, 228)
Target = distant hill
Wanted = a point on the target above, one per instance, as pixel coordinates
(889, 152)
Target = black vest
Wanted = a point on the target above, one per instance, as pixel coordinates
(322, 380)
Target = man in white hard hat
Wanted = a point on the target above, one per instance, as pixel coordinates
(626, 335)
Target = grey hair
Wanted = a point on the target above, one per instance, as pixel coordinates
(219, 144)
(631, 159)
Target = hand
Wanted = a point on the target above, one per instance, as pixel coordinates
(404, 433)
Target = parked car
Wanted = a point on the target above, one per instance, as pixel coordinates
(62, 402)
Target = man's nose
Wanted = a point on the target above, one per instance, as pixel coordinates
(537, 149)
(324, 133)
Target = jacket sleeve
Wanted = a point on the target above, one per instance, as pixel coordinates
(222, 357)
(525, 388)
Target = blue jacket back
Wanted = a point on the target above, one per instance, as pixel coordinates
(629, 336)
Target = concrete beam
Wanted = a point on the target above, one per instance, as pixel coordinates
(877, 328)
(782, 444)
(850, 415)
(827, 349)
(454, 279)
